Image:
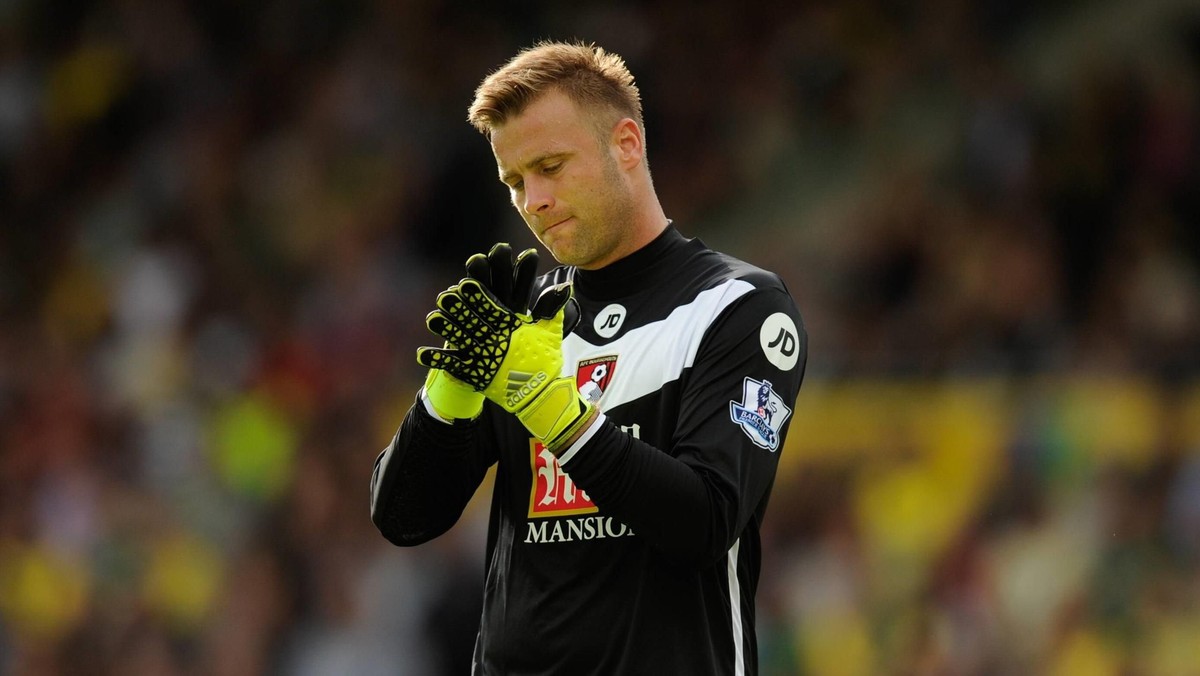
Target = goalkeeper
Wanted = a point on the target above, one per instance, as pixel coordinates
(634, 400)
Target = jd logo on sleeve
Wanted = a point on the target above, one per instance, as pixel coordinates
(780, 341)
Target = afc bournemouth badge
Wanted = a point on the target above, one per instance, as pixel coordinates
(593, 375)
(761, 413)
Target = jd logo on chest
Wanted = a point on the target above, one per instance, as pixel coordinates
(609, 320)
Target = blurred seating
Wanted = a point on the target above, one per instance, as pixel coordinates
(221, 222)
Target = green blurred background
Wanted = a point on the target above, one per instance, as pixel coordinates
(221, 223)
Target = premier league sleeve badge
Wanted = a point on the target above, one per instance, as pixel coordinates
(761, 413)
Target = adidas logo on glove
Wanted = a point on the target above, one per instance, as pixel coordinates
(521, 384)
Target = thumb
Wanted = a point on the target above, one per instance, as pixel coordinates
(551, 302)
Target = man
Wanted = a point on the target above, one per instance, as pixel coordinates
(624, 527)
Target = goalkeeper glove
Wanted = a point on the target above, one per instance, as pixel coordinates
(513, 359)
(511, 285)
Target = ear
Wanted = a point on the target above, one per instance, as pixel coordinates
(627, 143)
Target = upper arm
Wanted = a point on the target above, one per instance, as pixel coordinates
(737, 398)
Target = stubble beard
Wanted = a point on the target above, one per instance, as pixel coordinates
(600, 234)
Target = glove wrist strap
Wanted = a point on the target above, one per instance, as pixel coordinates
(556, 413)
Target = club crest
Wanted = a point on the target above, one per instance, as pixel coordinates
(592, 376)
(761, 413)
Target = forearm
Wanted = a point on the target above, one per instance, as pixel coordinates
(682, 511)
(425, 477)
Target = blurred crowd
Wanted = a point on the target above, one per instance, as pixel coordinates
(222, 223)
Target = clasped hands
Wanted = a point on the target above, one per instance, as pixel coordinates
(499, 348)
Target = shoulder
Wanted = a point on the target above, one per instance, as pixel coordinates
(736, 268)
(717, 269)
(761, 297)
(763, 314)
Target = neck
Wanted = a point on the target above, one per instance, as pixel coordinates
(647, 222)
(642, 270)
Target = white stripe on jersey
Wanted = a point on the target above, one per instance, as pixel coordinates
(735, 606)
(652, 355)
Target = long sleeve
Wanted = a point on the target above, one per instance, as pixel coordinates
(423, 480)
(691, 501)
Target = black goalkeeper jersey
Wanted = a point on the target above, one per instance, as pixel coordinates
(637, 551)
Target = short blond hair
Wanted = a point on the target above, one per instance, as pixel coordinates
(592, 78)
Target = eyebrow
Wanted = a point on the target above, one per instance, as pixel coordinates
(507, 176)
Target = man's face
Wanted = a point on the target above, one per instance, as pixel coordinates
(565, 181)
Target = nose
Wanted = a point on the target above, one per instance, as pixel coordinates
(538, 197)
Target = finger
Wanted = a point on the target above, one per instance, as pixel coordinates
(479, 268)
(457, 365)
(551, 301)
(438, 358)
(439, 325)
(500, 259)
(523, 276)
(483, 305)
(571, 314)
(473, 309)
(450, 302)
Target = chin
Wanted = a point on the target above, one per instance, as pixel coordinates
(567, 255)
(564, 257)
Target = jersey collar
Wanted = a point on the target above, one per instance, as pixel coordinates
(643, 268)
